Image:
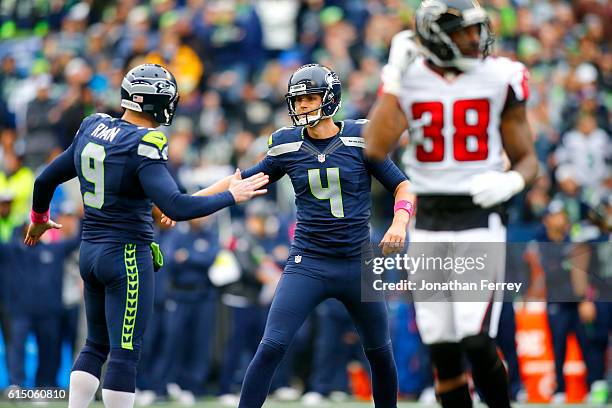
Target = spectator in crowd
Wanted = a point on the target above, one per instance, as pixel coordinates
(558, 258)
(39, 130)
(7, 221)
(154, 342)
(588, 149)
(7, 225)
(69, 216)
(34, 302)
(278, 24)
(179, 57)
(75, 103)
(20, 180)
(259, 251)
(190, 309)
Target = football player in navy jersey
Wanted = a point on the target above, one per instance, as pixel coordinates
(121, 166)
(331, 178)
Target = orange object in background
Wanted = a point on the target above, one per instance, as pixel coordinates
(536, 361)
(359, 381)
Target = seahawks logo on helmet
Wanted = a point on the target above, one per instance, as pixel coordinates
(165, 87)
(332, 79)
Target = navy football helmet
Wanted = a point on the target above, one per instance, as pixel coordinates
(152, 89)
(314, 79)
(437, 19)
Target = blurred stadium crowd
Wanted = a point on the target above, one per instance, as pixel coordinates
(61, 60)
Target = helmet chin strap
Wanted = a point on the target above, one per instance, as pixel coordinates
(459, 61)
(309, 121)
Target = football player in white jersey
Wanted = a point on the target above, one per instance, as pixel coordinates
(465, 110)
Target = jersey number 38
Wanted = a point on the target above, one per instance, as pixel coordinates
(470, 120)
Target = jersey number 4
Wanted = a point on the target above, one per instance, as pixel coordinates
(470, 137)
(333, 191)
(92, 167)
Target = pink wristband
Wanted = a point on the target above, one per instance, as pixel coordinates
(39, 218)
(403, 205)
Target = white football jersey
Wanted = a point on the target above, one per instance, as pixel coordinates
(455, 123)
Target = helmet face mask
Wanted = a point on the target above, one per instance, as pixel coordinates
(437, 20)
(313, 79)
(151, 89)
(309, 118)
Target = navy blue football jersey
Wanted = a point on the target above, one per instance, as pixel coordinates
(108, 154)
(332, 183)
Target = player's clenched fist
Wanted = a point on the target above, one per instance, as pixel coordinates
(404, 50)
(244, 190)
(167, 220)
(495, 187)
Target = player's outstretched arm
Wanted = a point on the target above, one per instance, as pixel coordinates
(244, 190)
(386, 125)
(263, 167)
(229, 183)
(60, 170)
(387, 120)
(494, 187)
(159, 185)
(216, 188)
(266, 166)
(518, 142)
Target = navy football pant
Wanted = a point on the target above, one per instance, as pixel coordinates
(302, 287)
(306, 284)
(118, 302)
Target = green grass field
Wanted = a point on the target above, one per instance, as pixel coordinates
(214, 404)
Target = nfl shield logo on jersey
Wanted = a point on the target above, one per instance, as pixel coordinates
(321, 158)
(298, 258)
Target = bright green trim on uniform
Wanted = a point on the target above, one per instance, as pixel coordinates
(158, 256)
(333, 191)
(270, 140)
(131, 301)
(156, 138)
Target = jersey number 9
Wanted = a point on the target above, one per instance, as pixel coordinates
(92, 167)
